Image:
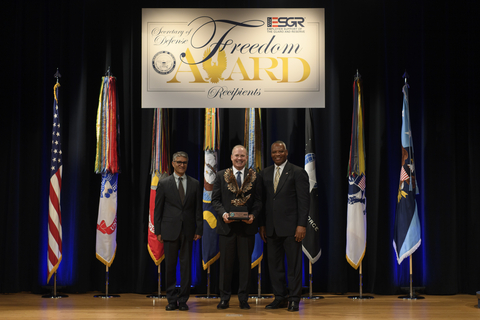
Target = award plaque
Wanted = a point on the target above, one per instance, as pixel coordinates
(240, 213)
(239, 210)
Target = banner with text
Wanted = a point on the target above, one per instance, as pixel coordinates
(198, 58)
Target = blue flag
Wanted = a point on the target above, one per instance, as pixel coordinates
(253, 144)
(406, 238)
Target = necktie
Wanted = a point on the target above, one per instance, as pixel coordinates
(239, 179)
(181, 191)
(277, 177)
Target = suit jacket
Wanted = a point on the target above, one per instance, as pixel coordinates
(221, 201)
(289, 206)
(171, 216)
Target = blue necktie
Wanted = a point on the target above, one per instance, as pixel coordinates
(239, 179)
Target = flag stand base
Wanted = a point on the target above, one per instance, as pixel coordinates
(259, 285)
(312, 297)
(413, 295)
(207, 296)
(360, 278)
(411, 298)
(159, 295)
(262, 296)
(106, 295)
(360, 297)
(55, 295)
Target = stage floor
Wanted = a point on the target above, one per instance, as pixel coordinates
(137, 306)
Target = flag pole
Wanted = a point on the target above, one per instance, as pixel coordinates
(208, 295)
(412, 295)
(55, 295)
(57, 75)
(159, 295)
(106, 295)
(259, 285)
(310, 276)
(360, 296)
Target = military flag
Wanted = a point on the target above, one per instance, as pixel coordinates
(356, 208)
(54, 211)
(159, 170)
(106, 164)
(253, 143)
(210, 249)
(406, 237)
(311, 243)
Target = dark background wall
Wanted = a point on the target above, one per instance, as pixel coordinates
(434, 41)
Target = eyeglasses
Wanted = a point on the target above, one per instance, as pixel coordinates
(182, 162)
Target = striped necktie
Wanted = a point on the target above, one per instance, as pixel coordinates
(277, 178)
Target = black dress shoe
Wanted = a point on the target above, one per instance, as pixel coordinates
(244, 305)
(171, 306)
(223, 304)
(293, 306)
(182, 307)
(277, 304)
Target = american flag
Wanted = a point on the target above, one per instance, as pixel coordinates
(361, 182)
(54, 213)
(403, 175)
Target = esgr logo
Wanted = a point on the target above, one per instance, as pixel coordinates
(285, 22)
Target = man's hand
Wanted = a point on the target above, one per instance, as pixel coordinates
(159, 238)
(225, 218)
(263, 234)
(197, 237)
(300, 233)
(250, 220)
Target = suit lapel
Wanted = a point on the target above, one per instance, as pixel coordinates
(189, 189)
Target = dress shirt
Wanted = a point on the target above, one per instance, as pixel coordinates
(282, 166)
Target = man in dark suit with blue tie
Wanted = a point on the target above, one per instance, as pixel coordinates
(287, 201)
(178, 221)
(236, 187)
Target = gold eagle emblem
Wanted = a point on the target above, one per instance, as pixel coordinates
(239, 191)
(215, 70)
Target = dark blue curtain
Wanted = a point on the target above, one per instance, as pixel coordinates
(434, 41)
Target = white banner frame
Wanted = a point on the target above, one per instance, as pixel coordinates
(233, 58)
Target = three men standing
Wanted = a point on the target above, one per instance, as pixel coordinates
(178, 221)
(286, 202)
